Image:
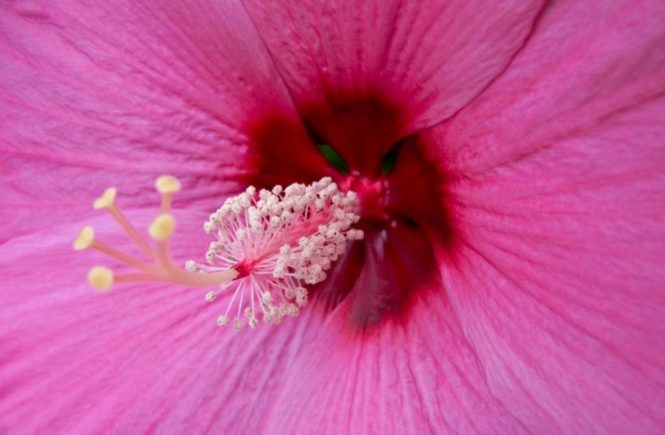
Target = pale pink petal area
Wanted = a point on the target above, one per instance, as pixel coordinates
(558, 181)
(435, 55)
(418, 376)
(120, 92)
(138, 359)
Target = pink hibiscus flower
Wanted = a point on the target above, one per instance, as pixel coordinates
(509, 159)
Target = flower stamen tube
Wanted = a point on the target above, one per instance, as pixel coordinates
(268, 246)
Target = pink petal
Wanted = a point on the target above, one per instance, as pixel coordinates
(435, 55)
(94, 95)
(582, 66)
(558, 282)
(418, 376)
(138, 359)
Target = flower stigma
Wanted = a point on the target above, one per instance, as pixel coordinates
(268, 246)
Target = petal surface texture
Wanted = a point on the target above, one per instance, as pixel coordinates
(560, 170)
(540, 123)
(438, 53)
(120, 93)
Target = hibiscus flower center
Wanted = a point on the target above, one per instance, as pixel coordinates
(364, 144)
(373, 173)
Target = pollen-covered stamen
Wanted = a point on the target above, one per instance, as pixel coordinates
(269, 245)
(278, 241)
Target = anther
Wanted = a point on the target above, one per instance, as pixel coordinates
(100, 278)
(223, 320)
(210, 296)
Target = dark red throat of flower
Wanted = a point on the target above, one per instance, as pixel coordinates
(363, 143)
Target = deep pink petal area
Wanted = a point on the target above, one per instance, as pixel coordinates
(583, 66)
(138, 359)
(559, 284)
(557, 175)
(434, 54)
(120, 92)
(419, 376)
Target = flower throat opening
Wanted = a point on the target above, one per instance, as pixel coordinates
(365, 142)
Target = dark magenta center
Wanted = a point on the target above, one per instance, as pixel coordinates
(401, 193)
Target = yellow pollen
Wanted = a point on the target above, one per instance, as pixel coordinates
(162, 227)
(106, 200)
(100, 278)
(85, 238)
(167, 184)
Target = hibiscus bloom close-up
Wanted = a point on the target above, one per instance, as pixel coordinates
(322, 216)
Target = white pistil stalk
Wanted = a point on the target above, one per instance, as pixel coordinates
(269, 245)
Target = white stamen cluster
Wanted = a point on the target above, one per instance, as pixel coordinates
(279, 241)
